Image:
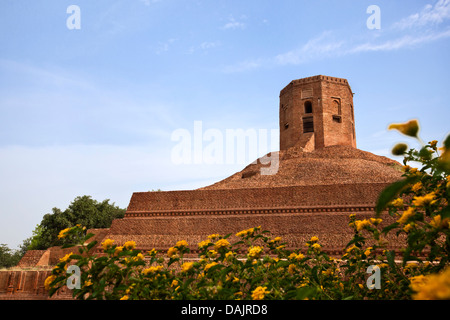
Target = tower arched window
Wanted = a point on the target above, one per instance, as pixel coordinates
(308, 107)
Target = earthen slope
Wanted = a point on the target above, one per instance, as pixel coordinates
(329, 165)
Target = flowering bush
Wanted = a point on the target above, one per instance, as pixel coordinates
(258, 266)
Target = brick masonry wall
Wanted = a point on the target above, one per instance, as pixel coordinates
(162, 232)
(27, 285)
(276, 197)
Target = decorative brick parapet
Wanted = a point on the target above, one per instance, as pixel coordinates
(230, 201)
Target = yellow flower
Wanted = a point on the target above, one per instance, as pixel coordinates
(66, 257)
(187, 266)
(182, 244)
(410, 128)
(174, 283)
(316, 246)
(118, 250)
(63, 233)
(368, 251)
(48, 281)
(433, 144)
(408, 227)
(328, 272)
(139, 256)
(291, 268)
(294, 256)
(152, 270)
(277, 239)
(397, 203)
(438, 223)
(210, 265)
(314, 239)
(204, 244)
(212, 253)
(410, 266)
(152, 252)
(425, 200)
(129, 245)
(432, 287)
(254, 251)
(107, 244)
(172, 251)
(259, 293)
(416, 187)
(406, 215)
(376, 221)
(88, 283)
(361, 224)
(222, 243)
(213, 236)
(125, 297)
(229, 255)
(250, 231)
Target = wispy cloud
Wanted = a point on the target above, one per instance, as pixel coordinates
(209, 44)
(204, 47)
(320, 46)
(234, 24)
(400, 43)
(415, 30)
(164, 46)
(428, 15)
(246, 65)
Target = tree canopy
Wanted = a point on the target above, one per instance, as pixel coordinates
(83, 210)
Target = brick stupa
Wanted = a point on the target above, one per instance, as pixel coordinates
(322, 178)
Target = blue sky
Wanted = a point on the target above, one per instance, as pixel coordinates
(91, 111)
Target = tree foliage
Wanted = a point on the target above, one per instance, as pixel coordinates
(83, 210)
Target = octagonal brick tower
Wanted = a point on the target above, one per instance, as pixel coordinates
(317, 112)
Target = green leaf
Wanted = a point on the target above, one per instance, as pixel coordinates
(445, 213)
(390, 227)
(91, 244)
(305, 292)
(88, 236)
(356, 240)
(391, 191)
(447, 142)
(68, 245)
(390, 255)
